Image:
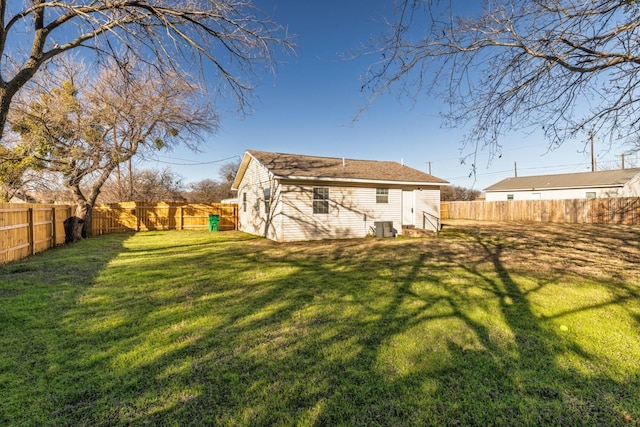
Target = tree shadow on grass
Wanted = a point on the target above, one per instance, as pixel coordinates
(322, 339)
(35, 293)
(360, 332)
(479, 380)
(473, 376)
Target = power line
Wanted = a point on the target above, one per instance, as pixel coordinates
(192, 163)
(522, 169)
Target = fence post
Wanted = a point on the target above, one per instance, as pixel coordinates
(54, 235)
(32, 249)
(235, 216)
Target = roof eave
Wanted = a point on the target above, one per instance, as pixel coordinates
(357, 180)
(235, 185)
(573, 187)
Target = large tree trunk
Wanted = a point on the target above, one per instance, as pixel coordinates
(9, 89)
(78, 226)
(5, 101)
(86, 230)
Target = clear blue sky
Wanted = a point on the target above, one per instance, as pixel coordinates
(308, 108)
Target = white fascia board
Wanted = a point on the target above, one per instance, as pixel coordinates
(356, 180)
(240, 175)
(244, 164)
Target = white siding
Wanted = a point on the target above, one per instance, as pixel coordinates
(427, 209)
(352, 209)
(572, 193)
(352, 212)
(632, 188)
(252, 216)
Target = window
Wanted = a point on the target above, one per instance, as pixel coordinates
(509, 196)
(591, 194)
(321, 200)
(382, 195)
(267, 200)
(244, 202)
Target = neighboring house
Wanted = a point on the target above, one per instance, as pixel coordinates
(584, 185)
(290, 197)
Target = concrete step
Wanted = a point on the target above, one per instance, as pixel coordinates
(417, 232)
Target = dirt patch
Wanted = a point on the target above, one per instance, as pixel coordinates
(590, 250)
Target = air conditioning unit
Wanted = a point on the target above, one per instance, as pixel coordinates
(384, 229)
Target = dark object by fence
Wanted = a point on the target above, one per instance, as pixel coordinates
(73, 229)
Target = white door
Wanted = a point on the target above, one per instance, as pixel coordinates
(408, 217)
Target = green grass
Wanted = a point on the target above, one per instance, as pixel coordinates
(489, 324)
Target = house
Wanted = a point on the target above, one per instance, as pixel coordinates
(584, 185)
(291, 197)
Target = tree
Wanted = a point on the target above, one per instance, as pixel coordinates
(210, 190)
(82, 128)
(149, 185)
(450, 193)
(566, 67)
(12, 174)
(231, 35)
(228, 171)
(204, 190)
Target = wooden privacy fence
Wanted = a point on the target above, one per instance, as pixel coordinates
(596, 211)
(26, 229)
(140, 216)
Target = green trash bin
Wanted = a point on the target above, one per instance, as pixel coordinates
(214, 220)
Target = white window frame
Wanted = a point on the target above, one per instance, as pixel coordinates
(382, 195)
(320, 200)
(267, 199)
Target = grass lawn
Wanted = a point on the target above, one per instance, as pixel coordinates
(489, 324)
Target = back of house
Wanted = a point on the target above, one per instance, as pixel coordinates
(291, 197)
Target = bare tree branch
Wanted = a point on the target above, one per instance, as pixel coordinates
(563, 66)
(173, 35)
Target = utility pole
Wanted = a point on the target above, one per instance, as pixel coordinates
(593, 157)
(429, 163)
(515, 169)
(622, 157)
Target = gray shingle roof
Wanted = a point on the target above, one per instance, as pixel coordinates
(611, 178)
(333, 168)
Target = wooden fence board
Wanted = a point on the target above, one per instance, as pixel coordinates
(132, 216)
(26, 229)
(595, 211)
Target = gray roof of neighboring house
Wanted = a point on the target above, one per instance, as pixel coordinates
(296, 166)
(611, 178)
